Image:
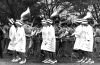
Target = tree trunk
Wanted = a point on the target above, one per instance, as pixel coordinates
(96, 13)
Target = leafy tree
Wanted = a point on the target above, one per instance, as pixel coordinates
(14, 8)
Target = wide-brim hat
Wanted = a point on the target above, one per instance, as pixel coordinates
(11, 20)
(49, 21)
(84, 22)
(43, 21)
(26, 15)
(18, 22)
(81, 20)
(54, 14)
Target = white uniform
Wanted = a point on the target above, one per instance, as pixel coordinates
(19, 43)
(84, 38)
(49, 40)
(12, 33)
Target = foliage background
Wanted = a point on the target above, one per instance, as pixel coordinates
(14, 8)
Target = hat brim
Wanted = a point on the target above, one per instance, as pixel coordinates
(84, 22)
(43, 21)
(81, 20)
(11, 21)
(49, 21)
(18, 23)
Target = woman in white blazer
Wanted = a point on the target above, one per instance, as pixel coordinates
(84, 41)
(48, 41)
(18, 42)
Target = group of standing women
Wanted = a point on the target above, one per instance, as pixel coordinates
(18, 41)
(83, 42)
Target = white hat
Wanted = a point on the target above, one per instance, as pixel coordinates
(11, 20)
(84, 22)
(25, 15)
(18, 22)
(43, 21)
(81, 20)
(49, 21)
(54, 14)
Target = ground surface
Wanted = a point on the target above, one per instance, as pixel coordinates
(37, 61)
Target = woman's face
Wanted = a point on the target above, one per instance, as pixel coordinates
(26, 22)
(84, 24)
(17, 25)
(44, 24)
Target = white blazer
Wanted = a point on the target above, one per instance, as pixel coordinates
(19, 43)
(84, 38)
(49, 40)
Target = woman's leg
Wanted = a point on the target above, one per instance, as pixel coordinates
(14, 54)
(53, 55)
(90, 55)
(1, 54)
(80, 54)
(5, 46)
(89, 58)
(16, 57)
(46, 55)
(23, 57)
(53, 58)
(85, 54)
